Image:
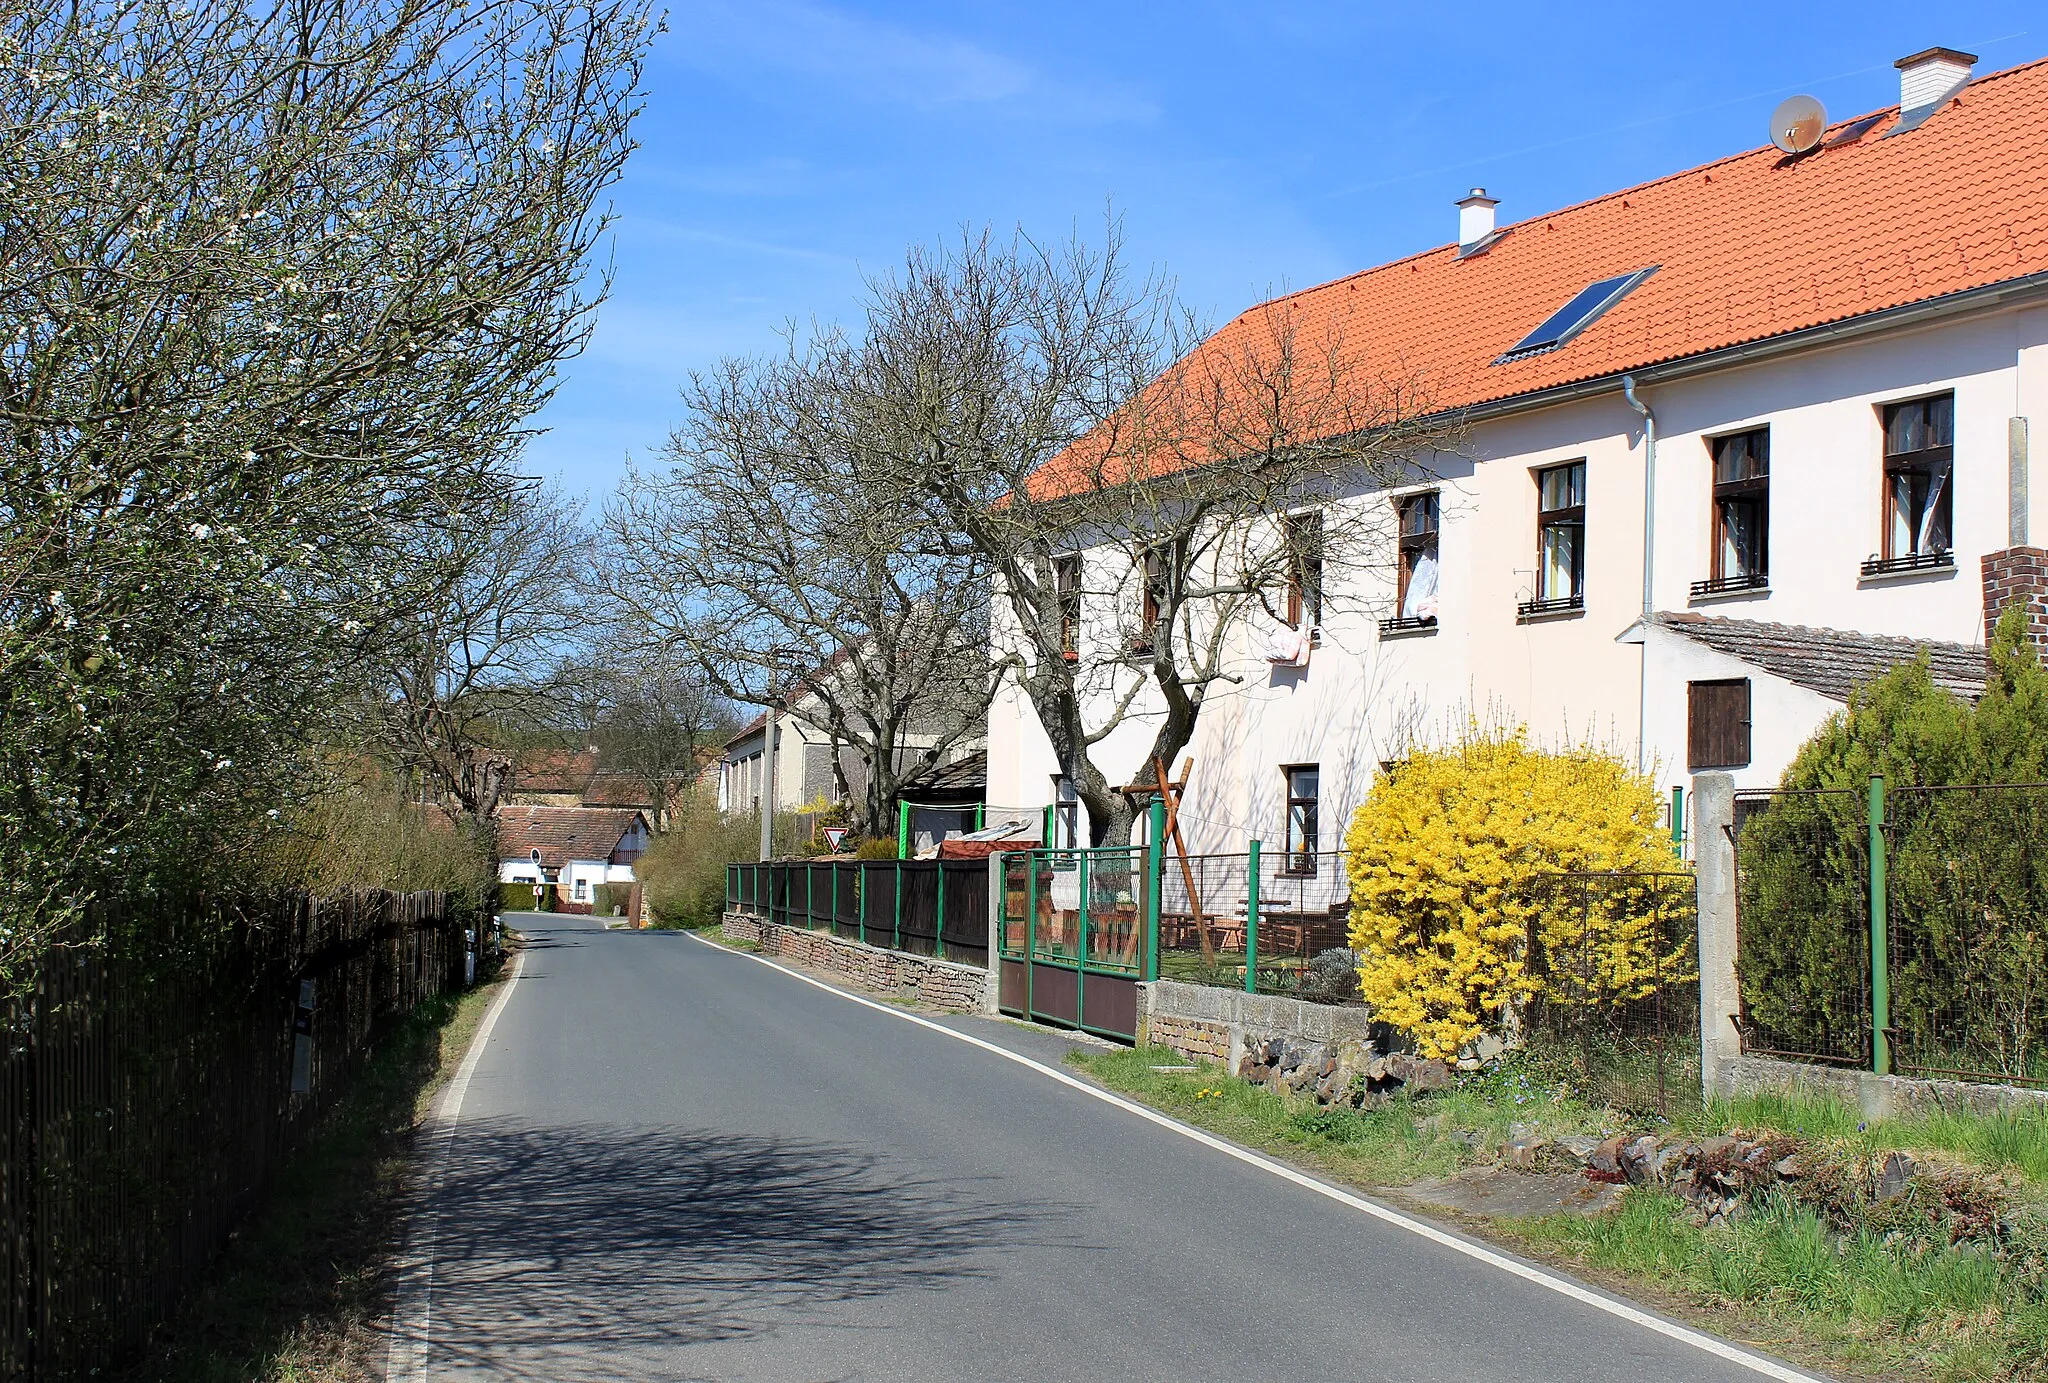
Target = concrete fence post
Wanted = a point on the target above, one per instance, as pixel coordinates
(1713, 835)
(992, 996)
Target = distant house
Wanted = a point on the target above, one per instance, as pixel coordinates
(573, 778)
(579, 848)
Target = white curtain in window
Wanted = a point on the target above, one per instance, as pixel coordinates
(1421, 599)
(1560, 546)
(1933, 535)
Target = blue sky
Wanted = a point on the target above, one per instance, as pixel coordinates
(791, 146)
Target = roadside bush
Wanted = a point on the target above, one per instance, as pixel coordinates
(366, 832)
(1447, 857)
(1967, 876)
(875, 848)
(683, 871)
(518, 897)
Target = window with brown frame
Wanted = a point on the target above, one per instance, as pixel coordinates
(1155, 596)
(1560, 540)
(1742, 513)
(1919, 468)
(1717, 724)
(1303, 534)
(1066, 574)
(1416, 597)
(1304, 796)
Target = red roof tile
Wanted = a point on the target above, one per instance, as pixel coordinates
(1753, 246)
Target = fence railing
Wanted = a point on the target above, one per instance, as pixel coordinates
(1087, 907)
(1899, 929)
(925, 907)
(1254, 920)
(1802, 868)
(153, 1080)
(1614, 961)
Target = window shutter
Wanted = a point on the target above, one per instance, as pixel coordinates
(1718, 724)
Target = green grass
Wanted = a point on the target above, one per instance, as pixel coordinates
(299, 1293)
(1781, 1276)
(1404, 1141)
(1928, 1312)
(2014, 1142)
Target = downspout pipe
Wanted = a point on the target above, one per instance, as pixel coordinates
(1628, 392)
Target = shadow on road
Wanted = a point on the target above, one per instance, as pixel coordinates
(563, 1253)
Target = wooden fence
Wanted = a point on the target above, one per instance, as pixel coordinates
(150, 1089)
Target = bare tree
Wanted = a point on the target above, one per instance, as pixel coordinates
(766, 551)
(656, 715)
(1147, 508)
(481, 648)
(278, 284)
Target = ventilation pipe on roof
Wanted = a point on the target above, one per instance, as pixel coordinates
(1927, 80)
(1628, 391)
(1475, 221)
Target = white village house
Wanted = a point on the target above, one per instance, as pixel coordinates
(1738, 440)
(579, 848)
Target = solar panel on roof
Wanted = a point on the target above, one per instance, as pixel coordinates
(1575, 316)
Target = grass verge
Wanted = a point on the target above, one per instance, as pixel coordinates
(299, 1293)
(1873, 1304)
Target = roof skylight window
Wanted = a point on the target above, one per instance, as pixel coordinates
(1575, 316)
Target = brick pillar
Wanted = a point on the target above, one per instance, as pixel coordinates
(2018, 574)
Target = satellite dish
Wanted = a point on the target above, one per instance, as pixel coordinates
(1797, 124)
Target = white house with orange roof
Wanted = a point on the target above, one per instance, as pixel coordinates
(1734, 441)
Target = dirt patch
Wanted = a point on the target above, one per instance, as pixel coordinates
(1495, 1191)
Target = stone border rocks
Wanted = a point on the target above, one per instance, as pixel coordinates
(1322, 1052)
(942, 984)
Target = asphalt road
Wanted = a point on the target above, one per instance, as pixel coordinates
(674, 1162)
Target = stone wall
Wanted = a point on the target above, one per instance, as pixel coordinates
(1198, 1038)
(1878, 1097)
(1197, 1020)
(895, 974)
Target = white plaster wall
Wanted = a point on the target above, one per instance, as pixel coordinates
(1825, 412)
(1782, 715)
(586, 872)
(2030, 401)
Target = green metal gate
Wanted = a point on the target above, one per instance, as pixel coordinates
(1080, 932)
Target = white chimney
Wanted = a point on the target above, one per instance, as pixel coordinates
(1475, 217)
(1928, 78)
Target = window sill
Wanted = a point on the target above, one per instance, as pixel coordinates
(1408, 627)
(1535, 611)
(1729, 588)
(1897, 568)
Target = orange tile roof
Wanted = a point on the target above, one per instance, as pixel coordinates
(1752, 246)
(562, 834)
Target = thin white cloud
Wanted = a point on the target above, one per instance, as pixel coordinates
(881, 61)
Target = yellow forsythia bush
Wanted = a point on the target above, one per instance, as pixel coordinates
(1446, 858)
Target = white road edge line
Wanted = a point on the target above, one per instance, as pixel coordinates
(405, 1358)
(1755, 1363)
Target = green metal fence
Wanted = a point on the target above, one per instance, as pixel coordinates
(1080, 931)
(1898, 929)
(925, 907)
(1255, 920)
